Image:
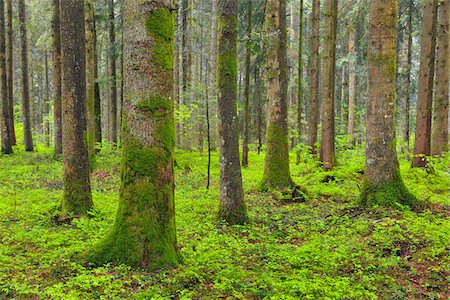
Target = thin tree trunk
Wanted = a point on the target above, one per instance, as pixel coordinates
(315, 70)
(10, 71)
(90, 80)
(27, 136)
(46, 112)
(258, 96)
(422, 143)
(232, 207)
(351, 86)
(440, 128)
(327, 150)
(300, 75)
(276, 165)
(344, 90)
(97, 97)
(246, 112)
(208, 124)
(383, 185)
(112, 69)
(144, 233)
(56, 58)
(5, 117)
(406, 85)
(77, 197)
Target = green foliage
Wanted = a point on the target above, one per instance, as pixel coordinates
(324, 248)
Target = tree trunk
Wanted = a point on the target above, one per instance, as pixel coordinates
(315, 66)
(246, 112)
(276, 165)
(327, 151)
(10, 71)
(351, 86)
(300, 75)
(56, 58)
(422, 143)
(46, 107)
(344, 90)
(259, 108)
(27, 136)
(406, 84)
(383, 185)
(77, 197)
(232, 207)
(440, 128)
(144, 232)
(5, 117)
(97, 98)
(90, 80)
(112, 69)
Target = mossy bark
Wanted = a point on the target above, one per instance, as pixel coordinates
(383, 185)
(90, 80)
(422, 142)
(77, 197)
(276, 165)
(315, 70)
(26, 103)
(441, 102)
(246, 111)
(113, 74)
(327, 150)
(56, 58)
(5, 117)
(300, 75)
(144, 233)
(232, 207)
(351, 85)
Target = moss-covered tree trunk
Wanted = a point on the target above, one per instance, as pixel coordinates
(440, 128)
(46, 103)
(144, 232)
(90, 80)
(276, 165)
(383, 185)
(327, 151)
(246, 111)
(422, 142)
(26, 103)
(10, 71)
(315, 70)
(56, 59)
(351, 85)
(5, 117)
(232, 207)
(77, 190)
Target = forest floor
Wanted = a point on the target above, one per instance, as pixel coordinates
(325, 248)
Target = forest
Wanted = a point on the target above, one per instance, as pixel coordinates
(224, 149)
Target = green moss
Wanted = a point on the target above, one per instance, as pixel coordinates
(155, 103)
(160, 26)
(390, 194)
(276, 165)
(234, 217)
(76, 200)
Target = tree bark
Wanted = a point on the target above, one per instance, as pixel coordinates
(351, 86)
(344, 91)
(90, 80)
(5, 116)
(300, 75)
(327, 150)
(232, 207)
(246, 112)
(406, 84)
(10, 71)
(97, 97)
(144, 233)
(112, 69)
(422, 143)
(383, 185)
(46, 104)
(56, 58)
(77, 197)
(315, 70)
(276, 165)
(27, 136)
(440, 128)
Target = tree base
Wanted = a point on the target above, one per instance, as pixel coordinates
(235, 217)
(390, 194)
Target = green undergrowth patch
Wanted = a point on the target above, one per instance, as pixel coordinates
(324, 248)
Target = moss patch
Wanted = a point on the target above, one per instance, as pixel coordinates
(160, 26)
